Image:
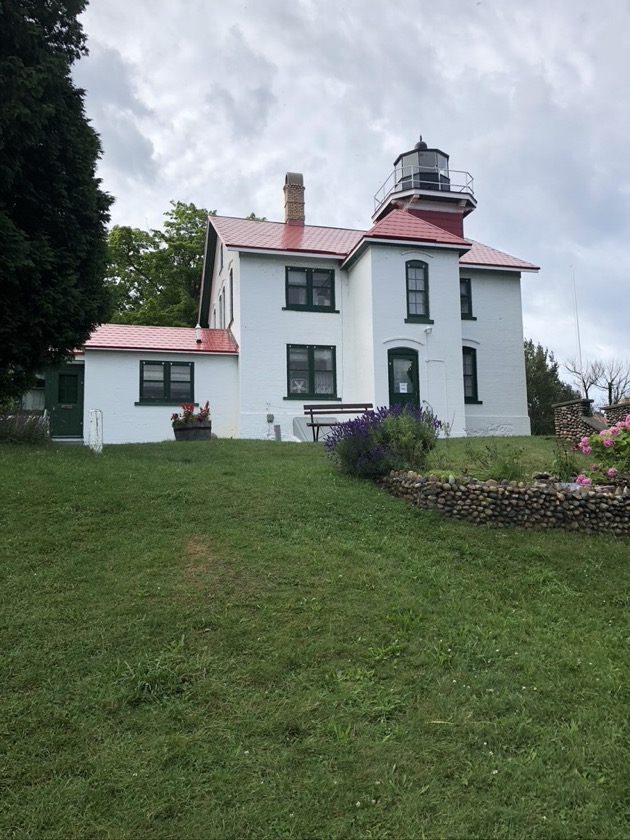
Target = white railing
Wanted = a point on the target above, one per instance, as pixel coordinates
(405, 178)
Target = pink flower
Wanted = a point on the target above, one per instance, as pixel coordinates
(586, 449)
(582, 479)
(612, 472)
(608, 442)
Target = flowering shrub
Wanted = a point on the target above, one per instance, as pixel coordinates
(188, 417)
(611, 449)
(391, 438)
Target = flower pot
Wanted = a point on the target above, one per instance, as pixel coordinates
(195, 431)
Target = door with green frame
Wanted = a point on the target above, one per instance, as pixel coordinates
(64, 401)
(402, 363)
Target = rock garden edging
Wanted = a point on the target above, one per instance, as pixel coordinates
(540, 506)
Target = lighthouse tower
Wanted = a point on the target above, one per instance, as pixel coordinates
(424, 185)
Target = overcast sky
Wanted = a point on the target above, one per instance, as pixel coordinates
(213, 101)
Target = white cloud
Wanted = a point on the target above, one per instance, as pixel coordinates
(214, 102)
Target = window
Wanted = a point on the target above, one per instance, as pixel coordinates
(465, 296)
(311, 372)
(231, 296)
(417, 292)
(470, 375)
(311, 289)
(222, 310)
(167, 382)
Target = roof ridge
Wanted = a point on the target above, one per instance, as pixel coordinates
(284, 224)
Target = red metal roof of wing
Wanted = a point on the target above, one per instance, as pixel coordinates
(278, 236)
(163, 339)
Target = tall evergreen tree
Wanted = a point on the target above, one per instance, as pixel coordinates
(53, 213)
(544, 387)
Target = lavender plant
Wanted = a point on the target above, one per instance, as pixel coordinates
(390, 438)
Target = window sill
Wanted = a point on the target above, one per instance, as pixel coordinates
(166, 402)
(310, 309)
(468, 318)
(419, 319)
(469, 401)
(318, 397)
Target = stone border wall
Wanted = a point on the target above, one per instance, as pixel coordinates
(535, 506)
(574, 420)
(617, 412)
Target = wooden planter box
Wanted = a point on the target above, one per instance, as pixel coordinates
(196, 431)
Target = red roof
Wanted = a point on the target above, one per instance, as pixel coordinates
(484, 255)
(340, 242)
(278, 236)
(402, 225)
(173, 339)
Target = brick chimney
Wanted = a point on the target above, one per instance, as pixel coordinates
(294, 199)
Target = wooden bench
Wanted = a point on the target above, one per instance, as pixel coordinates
(317, 411)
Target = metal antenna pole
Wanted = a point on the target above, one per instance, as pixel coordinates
(577, 330)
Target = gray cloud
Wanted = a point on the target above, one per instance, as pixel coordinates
(213, 103)
(116, 111)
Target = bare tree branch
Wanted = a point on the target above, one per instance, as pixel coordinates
(586, 376)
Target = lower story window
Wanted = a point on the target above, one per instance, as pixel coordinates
(311, 372)
(469, 356)
(167, 382)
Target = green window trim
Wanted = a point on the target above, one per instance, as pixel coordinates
(311, 372)
(471, 386)
(166, 383)
(465, 298)
(310, 289)
(417, 292)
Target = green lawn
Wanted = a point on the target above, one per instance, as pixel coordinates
(232, 640)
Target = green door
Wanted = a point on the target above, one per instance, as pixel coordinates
(403, 376)
(64, 401)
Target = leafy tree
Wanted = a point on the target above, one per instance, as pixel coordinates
(53, 213)
(155, 276)
(544, 387)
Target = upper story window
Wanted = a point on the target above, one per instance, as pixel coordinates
(465, 296)
(171, 382)
(417, 273)
(311, 289)
(311, 372)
